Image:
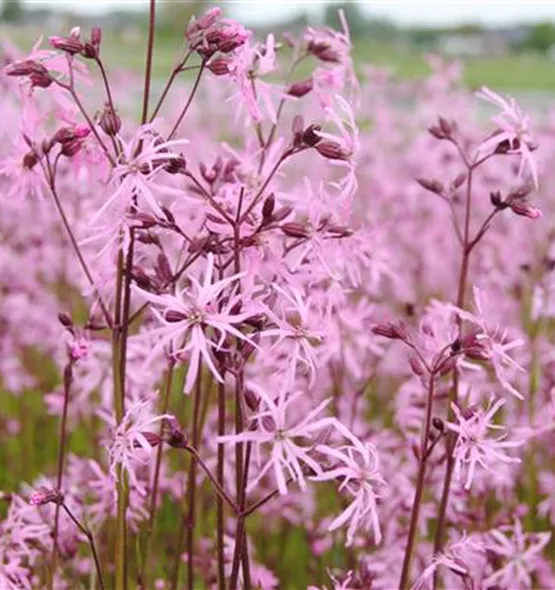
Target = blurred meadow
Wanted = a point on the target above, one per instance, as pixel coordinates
(518, 59)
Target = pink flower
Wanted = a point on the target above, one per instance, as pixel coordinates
(329, 45)
(191, 318)
(135, 173)
(130, 448)
(514, 128)
(521, 553)
(474, 447)
(358, 468)
(298, 329)
(493, 342)
(276, 427)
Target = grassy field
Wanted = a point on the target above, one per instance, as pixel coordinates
(531, 72)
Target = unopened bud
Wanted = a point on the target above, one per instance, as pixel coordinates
(251, 399)
(110, 121)
(282, 213)
(332, 150)
(173, 315)
(173, 434)
(44, 495)
(65, 320)
(447, 366)
(525, 210)
(438, 423)
(496, 200)
(96, 36)
(416, 366)
(219, 66)
(432, 185)
(268, 207)
(70, 45)
(458, 180)
(151, 438)
(295, 230)
(391, 330)
(447, 127)
(301, 88)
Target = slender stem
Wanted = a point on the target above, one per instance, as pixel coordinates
(90, 538)
(119, 407)
(220, 491)
(177, 69)
(68, 378)
(193, 483)
(146, 565)
(463, 278)
(150, 49)
(189, 101)
(273, 130)
(186, 530)
(220, 477)
(72, 239)
(261, 190)
(419, 487)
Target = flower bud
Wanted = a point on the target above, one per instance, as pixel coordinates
(44, 495)
(301, 88)
(391, 330)
(432, 185)
(282, 213)
(173, 434)
(332, 150)
(173, 315)
(96, 36)
(416, 366)
(65, 320)
(525, 210)
(295, 230)
(70, 45)
(251, 399)
(110, 121)
(219, 66)
(496, 200)
(268, 207)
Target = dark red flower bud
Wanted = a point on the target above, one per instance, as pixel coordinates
(295, 230)
(310, 136)
(70, 45)
(219, 66)
(65, 320)
(432, 185)
(332, 150)
(268, 207)
(173, 315)
(173, 434)
(301, 88)
(391, 330)
(110, 121)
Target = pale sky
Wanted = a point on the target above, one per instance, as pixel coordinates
(404, 12)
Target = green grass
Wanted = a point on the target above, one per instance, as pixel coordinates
(509, 72)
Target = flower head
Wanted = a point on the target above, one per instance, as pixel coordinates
(513, 135)
(474, 447)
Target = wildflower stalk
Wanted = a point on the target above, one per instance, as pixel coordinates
(423, 459)
(220, 478)
(189, 101)
(186, 529)
(467, 247)
(90, 538)
(146, 565)
(68, 378)
(148, 67)
(119, 407)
